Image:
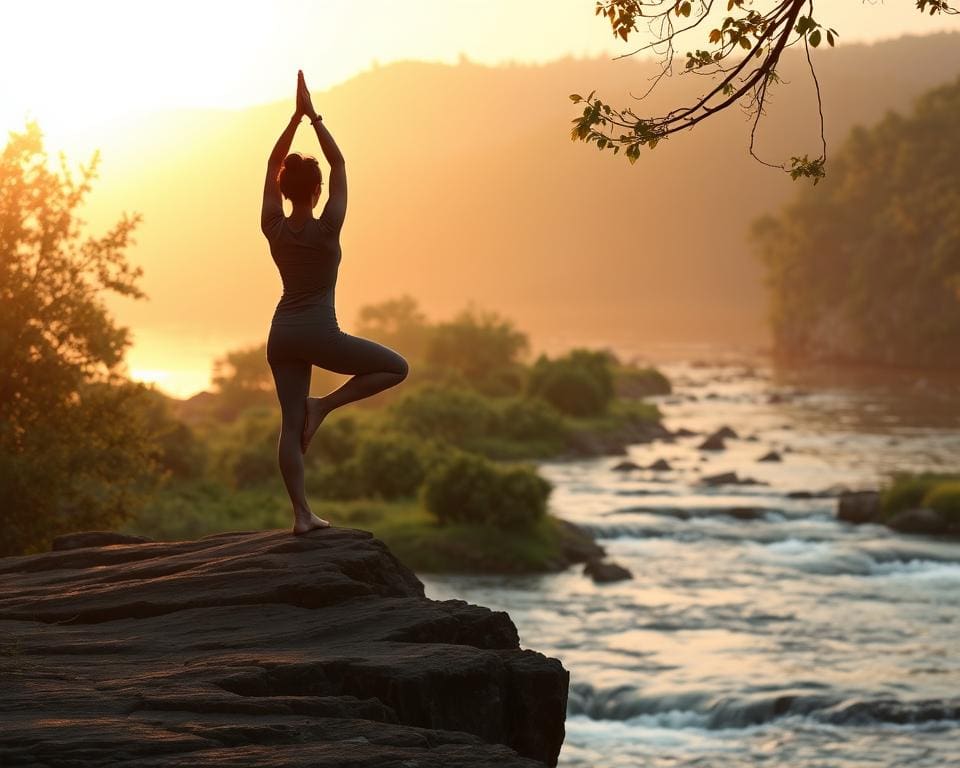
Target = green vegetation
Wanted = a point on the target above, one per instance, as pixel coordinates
(467, 488)
(439, 470)
(437, 467)
(866, 268)
(75, 436)
(938, 491)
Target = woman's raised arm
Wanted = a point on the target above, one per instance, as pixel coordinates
(272, 207)
(336, 208)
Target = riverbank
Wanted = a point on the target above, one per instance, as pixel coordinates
(265, 649)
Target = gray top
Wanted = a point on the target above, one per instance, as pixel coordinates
(308, 260)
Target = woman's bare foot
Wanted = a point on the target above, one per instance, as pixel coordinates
(302, 525)
(313, 419)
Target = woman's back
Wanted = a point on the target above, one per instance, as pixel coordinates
(308, 260)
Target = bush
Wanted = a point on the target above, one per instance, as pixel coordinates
(570, 389)
(390, 466)
(633, 382)
(336, 440)
(336, 481)
(907, 490)
(530, 418)
(945, 498)
(457, 416)
(482, 346)
(466, 488)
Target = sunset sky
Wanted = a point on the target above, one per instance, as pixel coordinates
(87, 71)
(76, 65)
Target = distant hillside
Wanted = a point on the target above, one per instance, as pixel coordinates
(464, 185)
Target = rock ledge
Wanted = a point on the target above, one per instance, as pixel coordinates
(260, 649)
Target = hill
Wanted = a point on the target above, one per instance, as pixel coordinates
(465, 186)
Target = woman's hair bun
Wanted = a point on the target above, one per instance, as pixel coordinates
(299, 176)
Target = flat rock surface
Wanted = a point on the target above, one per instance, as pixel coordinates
(261, 649)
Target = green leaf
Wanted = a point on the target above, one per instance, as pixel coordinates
(815, 38)
(575, 98)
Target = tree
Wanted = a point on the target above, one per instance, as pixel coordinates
(75, 442)
(867, 269)
(398, 323)
(740, 59)
(242, 379)
(484, 348)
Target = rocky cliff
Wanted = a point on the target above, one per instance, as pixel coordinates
(245, 649)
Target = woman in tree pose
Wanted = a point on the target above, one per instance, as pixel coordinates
(304, 330)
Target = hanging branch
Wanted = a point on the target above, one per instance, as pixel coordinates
(746, 49)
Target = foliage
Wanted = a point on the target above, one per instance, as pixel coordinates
(945, 498)
(530, 419)
(633, 381)
(397, 323)
(75, 442)
(456, 416)
(179, 452)
(867, 269)
(484, 348)
(907, 490)
(740, 57)
(467, 488)
(579, 383)
(390, 466)
(242, 379)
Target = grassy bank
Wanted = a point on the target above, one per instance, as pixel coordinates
(937, 491)
(413, 535)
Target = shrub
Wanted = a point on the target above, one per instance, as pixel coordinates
(521, 498)
(336, 481)
(945, 498)
(572, 390)
(466, 488)
(336, 440)
(631, 381)
(530, 418)
(455, 415)
(390, 466)
(907, 490)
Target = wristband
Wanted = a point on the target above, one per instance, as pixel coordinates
(314, 120)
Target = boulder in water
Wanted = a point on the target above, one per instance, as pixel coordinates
(859, 507)
(605, 571)
(920, 520)
(660, 465)
(625, 466)
(771, 456)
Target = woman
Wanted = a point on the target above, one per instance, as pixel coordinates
(304, 331)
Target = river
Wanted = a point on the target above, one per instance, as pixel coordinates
(756, 630)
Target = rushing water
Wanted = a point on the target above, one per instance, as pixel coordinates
(776, 636)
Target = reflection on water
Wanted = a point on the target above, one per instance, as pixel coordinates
(775, 635)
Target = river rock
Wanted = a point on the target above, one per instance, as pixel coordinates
(727, 433)
(660, 465)
(714, 442)
(771, 456)
(625, 466)
(605, 571)
(919, 520)
(859, 507)
(261, 649)
(684, 432)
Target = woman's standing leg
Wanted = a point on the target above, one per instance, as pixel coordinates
(292, 379)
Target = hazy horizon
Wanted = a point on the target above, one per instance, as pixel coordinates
(569, 266)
